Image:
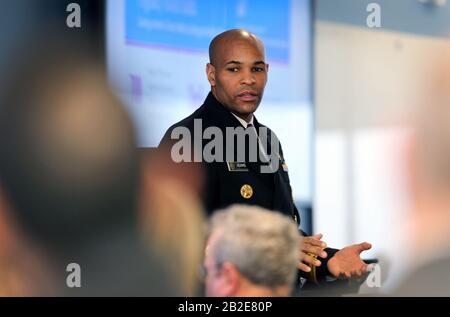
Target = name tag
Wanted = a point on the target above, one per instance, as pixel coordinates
(237, 167)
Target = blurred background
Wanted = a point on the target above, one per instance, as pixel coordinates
(368, 83)
(340, 93)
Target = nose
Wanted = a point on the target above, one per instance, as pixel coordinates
(248, 78)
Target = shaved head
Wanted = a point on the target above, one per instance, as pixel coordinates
(226, 39)
(237, 71)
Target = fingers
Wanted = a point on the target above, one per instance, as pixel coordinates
(314, 242)
(356, 273)
(364, 269)
(303, 267)
(344, 276)
(309, 260)
(364, 246)
(313, 246)
(359, 272)
(370, 267)
(317, 251)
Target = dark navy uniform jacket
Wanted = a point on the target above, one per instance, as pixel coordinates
(235, 182)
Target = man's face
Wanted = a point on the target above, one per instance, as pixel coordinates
(239, 77)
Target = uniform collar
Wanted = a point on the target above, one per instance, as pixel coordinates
(243, 122)
(222, 116)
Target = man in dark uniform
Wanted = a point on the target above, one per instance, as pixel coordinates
(237, 73)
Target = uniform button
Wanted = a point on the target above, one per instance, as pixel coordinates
(246, 191)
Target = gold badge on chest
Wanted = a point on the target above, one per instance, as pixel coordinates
(246, 191)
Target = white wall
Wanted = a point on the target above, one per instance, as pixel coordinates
(367, 85)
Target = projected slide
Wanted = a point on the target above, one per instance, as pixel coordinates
(191, 24)
(157, 51)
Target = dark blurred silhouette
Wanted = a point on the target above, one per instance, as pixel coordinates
(172, 218)
(70, 182)
(428, 161)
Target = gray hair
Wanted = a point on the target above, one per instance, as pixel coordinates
(262, 244)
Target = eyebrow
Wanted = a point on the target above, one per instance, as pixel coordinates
(240, 63)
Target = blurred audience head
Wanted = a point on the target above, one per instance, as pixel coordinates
(68, 150)
(250, 252)
(428, 223)
(172, 216)
(69, 174)
(429, 158)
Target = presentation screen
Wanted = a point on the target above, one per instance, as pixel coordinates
(157, 51)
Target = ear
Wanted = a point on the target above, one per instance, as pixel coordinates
(267, 68)
(211, 74)
(231, 278)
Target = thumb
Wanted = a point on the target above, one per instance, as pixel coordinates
(363, 246)
(317, 236)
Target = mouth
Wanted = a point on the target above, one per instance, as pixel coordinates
(248, 95)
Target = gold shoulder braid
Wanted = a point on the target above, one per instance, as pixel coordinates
(313, 273)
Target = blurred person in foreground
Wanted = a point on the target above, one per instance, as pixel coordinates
(170, 209)
(69, 184)
(428, 161)
(250, 252)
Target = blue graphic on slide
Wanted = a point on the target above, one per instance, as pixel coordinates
(191, 24)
